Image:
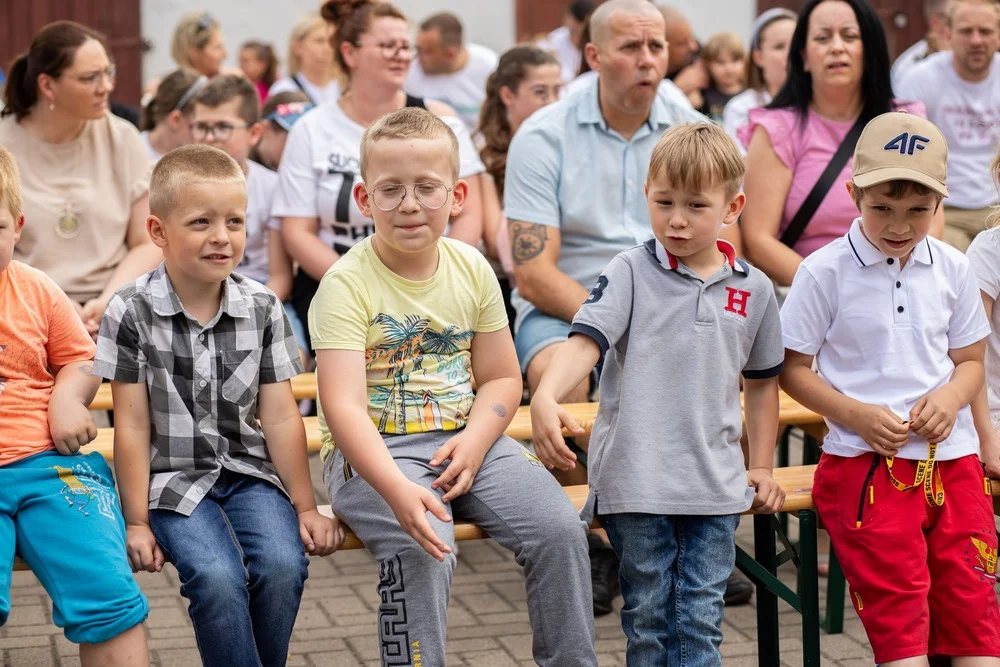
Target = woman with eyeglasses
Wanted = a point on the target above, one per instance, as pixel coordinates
(85, 172)
(319, 219)
(198, 44)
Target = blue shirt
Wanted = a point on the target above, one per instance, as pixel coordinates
(566, 168)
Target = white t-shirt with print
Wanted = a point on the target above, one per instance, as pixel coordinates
(321, 164)
(464, 90)
(968, 115)
(318, 94)
(261, 186)
(984, 255)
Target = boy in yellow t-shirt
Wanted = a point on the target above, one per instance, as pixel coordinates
(398, 325)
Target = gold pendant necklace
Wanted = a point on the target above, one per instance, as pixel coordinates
(68, 225)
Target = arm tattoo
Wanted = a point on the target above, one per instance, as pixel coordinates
(527, 241)
(86, 369)
(499, 410)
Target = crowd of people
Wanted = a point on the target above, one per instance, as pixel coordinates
(615, 209)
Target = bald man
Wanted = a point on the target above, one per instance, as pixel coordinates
(574, 194)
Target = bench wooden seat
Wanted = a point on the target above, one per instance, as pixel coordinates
(790, 413)
(303, 387)
(796, 481)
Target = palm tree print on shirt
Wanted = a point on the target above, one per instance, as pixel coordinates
(406, 346)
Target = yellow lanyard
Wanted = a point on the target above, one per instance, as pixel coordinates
(928, 476)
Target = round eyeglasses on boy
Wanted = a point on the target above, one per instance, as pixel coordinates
(428, 194)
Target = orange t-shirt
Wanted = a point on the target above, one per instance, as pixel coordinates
(38, 329)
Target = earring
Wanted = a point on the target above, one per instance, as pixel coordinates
(52, 107)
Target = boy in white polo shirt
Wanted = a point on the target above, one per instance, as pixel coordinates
(895, 324)
(678, 319)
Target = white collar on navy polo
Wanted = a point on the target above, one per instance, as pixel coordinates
(866, 254)
(664, 257)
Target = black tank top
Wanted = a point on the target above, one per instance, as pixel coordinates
(412, 101)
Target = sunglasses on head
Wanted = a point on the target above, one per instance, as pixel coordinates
(205, 21)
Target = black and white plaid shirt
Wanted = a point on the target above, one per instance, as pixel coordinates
(202, 380)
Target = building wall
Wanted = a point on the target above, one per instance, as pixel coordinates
(489, 22)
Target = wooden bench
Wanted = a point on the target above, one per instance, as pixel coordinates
(303, 387)
(790, 413)
(761, 568)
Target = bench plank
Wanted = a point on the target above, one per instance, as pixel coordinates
(303, 387)
(797, 482)
(790, 413)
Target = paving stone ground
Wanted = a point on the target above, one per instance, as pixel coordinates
(488, 621)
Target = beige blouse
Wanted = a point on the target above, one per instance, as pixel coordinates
(78, 199)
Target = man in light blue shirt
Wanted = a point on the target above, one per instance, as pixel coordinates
(575, 174)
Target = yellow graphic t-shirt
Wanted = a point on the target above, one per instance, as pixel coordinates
(416, 335)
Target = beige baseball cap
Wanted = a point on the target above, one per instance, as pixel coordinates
(899, 146)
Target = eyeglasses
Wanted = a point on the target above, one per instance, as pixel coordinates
(218, 131)
(431, 196)
(94, 78)
(390, 50)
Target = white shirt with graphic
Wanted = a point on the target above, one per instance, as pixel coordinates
(968, 115)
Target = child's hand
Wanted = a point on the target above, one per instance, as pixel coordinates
(70, 424)
(142, 550)
(320, 535)
(770, 497)
(989, 454)
(934, 415)
(548, 419)
(466, 459)
(410, 502)
(879, 426)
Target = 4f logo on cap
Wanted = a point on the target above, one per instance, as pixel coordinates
(737, 301)
(906, 143)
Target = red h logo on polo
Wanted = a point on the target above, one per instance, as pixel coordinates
(737, 301)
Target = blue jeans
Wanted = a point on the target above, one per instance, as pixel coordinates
(242, 566)
(673, 576)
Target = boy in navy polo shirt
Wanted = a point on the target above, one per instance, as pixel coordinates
(895, 324)
(678, 319)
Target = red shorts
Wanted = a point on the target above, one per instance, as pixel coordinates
(921, 577)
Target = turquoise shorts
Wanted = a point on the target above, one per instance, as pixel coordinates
(61, 515)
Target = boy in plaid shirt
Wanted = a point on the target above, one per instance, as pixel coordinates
(199, 360)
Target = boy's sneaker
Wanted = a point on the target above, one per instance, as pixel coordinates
(603, 575)
(739, 590)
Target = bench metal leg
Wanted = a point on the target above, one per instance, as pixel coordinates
(835, 587)
(767, 601)
(809, 588)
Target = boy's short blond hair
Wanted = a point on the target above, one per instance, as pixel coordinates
(184, 166)
(722, 43)
(10, 184)
(696, 157)
(409, 123)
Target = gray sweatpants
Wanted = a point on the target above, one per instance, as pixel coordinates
(518, 502)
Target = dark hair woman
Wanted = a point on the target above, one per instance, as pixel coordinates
(838, 74)
(526, 79)
(85, 172)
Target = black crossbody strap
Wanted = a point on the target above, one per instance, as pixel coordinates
(815, 197)
(295, 80)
